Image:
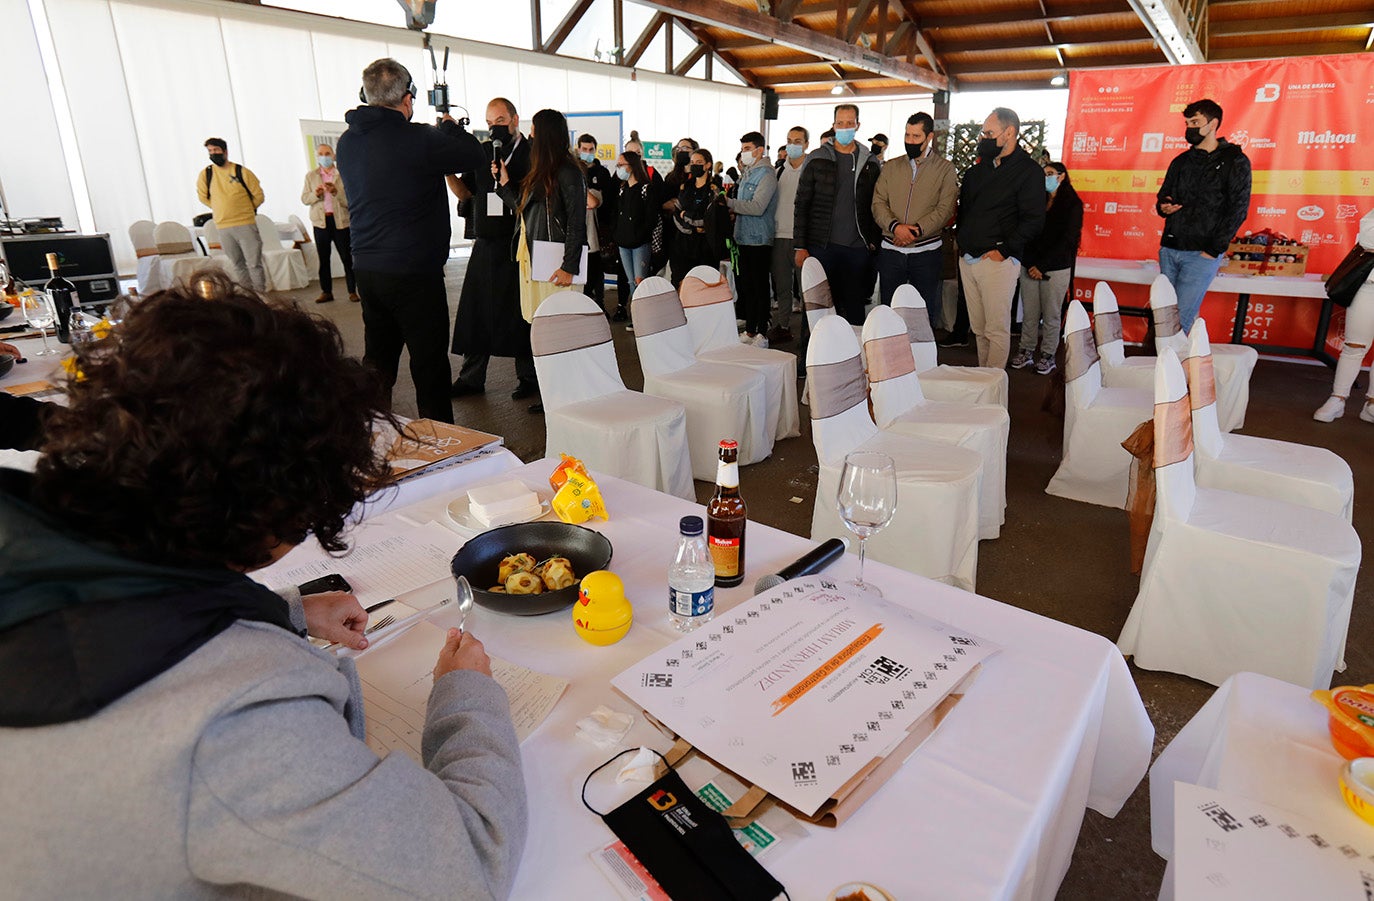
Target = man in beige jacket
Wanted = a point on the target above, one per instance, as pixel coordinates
(324, 194)
(912, 202)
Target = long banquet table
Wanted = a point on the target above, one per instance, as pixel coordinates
(989, 807)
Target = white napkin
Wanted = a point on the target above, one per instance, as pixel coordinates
(640, 768)
(604, 727)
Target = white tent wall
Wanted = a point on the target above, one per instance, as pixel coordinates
(147, 81)
(33, 168)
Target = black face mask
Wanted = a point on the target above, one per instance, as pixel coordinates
(697, 171)
(1192, 135)
(218, 159)
(683, 157)
(914, 150)
(988, 149)
(877, 149)
(500, 133)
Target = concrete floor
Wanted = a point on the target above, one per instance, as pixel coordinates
(1055, 557)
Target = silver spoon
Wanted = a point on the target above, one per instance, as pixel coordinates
(465, 599)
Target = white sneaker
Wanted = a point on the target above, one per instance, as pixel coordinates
(746, 338)
(1367, 411)
(761, 341)
(1333, 409)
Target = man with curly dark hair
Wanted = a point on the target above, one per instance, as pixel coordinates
(165, 728)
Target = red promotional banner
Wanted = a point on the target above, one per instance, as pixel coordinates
(1307, 125)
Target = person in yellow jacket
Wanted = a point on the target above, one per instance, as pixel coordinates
(324, 194)
(233, 194)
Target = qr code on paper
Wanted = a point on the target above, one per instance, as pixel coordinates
(804, 773)
(658, 680)
(883, 670)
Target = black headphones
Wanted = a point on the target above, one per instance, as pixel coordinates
(410, 87)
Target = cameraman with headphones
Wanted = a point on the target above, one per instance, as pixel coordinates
(395, 170)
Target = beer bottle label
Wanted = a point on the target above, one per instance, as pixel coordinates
(727, 474)
(725, 555)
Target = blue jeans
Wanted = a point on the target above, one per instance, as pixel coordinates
(636, 263)
(921, 270)
(1190, 273)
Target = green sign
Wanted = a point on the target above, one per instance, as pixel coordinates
(659, 154)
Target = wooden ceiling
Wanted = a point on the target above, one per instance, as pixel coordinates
(804, 48)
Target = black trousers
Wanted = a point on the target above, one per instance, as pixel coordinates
(755, 263)
(846, 268)
(410, 310)
(474, 369)
(338, 237)
(595, 288)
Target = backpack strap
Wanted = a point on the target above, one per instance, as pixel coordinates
(207, 179)
(238, 173)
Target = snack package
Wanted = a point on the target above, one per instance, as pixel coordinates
(559, 478)
(579, 499)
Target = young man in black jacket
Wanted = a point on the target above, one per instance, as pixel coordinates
(395, 172)
(833, 214)
(1001, 208)
(1204, 200)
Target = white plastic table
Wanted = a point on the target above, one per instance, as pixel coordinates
(990, 807)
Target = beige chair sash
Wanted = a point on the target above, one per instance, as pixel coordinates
(1107, 327)
(836, 387)
(889, 358)
(170, 248)
(696, 293)
(1140, 495)
(563, 332)
(818, 297)
(1173, 432)
(1202, 381)
(146, 252)
(657, 313)
(1167, 323)
(1080, 353)
(917, 321)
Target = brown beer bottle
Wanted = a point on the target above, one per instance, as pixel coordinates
(726, 519)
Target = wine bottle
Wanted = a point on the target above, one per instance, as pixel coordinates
(63, 294)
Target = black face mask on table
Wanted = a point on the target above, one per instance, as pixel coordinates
(914, 150)
(988, 149)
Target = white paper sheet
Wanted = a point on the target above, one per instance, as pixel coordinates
(388, 558)
(803, 686)
(495, 205)
(548, 257)
(1229, 848)
(397, 677)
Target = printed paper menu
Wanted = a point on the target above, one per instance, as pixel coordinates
(802, 687)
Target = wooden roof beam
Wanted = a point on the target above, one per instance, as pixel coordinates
(1279, 24)
(691, 59)
(859, 23)
(721, 14)
(646, 37)
(565, 27)
(716, 56)
(1272, 51)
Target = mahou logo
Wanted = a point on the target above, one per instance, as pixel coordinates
(1325, 138)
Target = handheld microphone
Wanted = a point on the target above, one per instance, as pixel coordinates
(810, 563)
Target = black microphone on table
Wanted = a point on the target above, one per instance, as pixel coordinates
(810, 563)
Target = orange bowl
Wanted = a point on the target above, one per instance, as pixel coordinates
(1351, 719)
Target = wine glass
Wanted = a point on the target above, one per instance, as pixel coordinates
(867, 498)
(40, 314)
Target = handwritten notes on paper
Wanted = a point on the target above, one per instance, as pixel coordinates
(397, 677)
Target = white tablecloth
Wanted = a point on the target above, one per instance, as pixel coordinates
(990, 807)
(1137, 272)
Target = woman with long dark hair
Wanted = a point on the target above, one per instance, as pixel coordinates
(551, 202)
(635, 212)
(1046, 269)
(697, 240)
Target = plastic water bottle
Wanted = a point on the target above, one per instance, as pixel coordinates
(691, 579)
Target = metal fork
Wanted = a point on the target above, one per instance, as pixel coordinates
(380, 624)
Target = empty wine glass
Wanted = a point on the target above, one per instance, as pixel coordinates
(40, 314)
(867, 498)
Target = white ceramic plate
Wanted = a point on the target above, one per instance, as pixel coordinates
(462, 517)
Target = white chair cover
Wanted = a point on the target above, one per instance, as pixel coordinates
(180, 260)
(722, 401)
(588, 411)
(935, 530)
(1095, 468)
(284, 266)
(709, 305)
(900, 406)
(817, 301)
(1233, 362)
(955, 384)
(310, 251)
(1233, 582)
(1118, 370)
(210, 231)
(150, 276)
(1296, 473)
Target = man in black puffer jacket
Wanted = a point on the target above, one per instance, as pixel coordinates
(398, 209)
(833, 218)
(1204, 200)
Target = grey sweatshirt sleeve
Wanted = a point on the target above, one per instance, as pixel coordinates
(283, 797)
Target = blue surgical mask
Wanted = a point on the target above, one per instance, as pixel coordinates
(622, 173)
(325, 161)
(588, 158)
(795, 151)
(845, 136)
(1051, 182)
